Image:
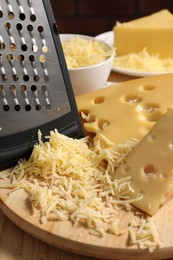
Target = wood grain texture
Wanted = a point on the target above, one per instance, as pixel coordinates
(75, 238)
(15, 244)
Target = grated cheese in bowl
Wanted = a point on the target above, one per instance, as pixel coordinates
(89, 61)
(83, 52)
(71, 179)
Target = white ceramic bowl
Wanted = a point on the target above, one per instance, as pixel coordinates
(89, 78)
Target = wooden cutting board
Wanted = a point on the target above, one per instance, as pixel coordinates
(77, 239)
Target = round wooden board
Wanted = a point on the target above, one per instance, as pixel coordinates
(77, 239)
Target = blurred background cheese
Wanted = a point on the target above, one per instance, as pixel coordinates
(153, 32)
(129, 110)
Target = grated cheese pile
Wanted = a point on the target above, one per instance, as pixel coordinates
(71, 179)
(143, 61)
(81, 52)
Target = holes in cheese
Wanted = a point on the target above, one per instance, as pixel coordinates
(132, 107)
(151, 137)
(147, 87)
(85, 112)
(125, 169)
(87, 116)
(148, 107)
(152, 116)
(99, 99)
(150, 171)
(92, 124)
(132, 98)
(150, 166)
(103, 123)
(149, 111)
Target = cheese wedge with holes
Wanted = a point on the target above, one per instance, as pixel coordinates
(150, 166)
(128, 110)
(153, 32)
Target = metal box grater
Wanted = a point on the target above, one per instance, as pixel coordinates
(35, 88)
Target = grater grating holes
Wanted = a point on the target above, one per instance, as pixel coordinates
(13, 46)
(42, 59)
(40, 29)
(33, 64)
(3, 73)
(34, 44)
(10, 58)
(35, 94)
(6, 107)
(32, 15)
(19, 27)
(22, 15)
(2, 44)
(23, 89)
(30, 28)
(45, 94)
(36, 76)
(25, 76)
(21, 58)
(8, 27)
(32, 59)
(10, 12)
(46, 76)
(30, 35)
(1, 12)
(12, 89)
(24, 47)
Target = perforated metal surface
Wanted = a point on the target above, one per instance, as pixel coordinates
(34, 84)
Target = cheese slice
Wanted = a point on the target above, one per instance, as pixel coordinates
(128, 110)
(153, 32)
(150, 166)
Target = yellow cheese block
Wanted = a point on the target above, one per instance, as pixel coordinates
(127, 110)
(150, 166)
(153, 32)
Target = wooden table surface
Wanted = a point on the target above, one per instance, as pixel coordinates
(17, 244)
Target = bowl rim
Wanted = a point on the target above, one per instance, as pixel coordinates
(67, 35)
